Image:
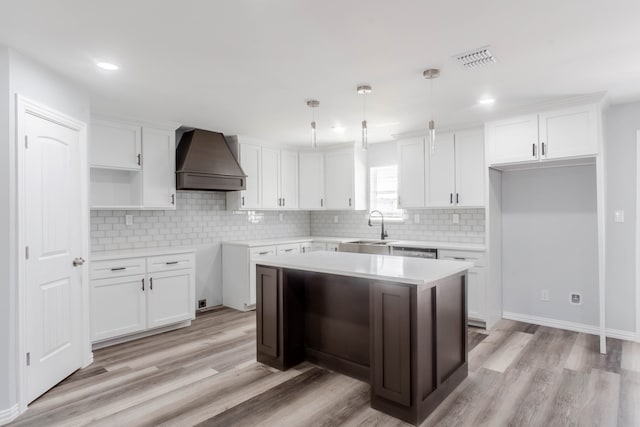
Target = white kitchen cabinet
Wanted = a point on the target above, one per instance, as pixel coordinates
(288, 249)
(115, 145)
(333, 247)
(272, 181)
(318, 246)
(411, 173)
(131, 296)
(270, 178)
(477, 291)
(306, 247)
(569, 132)
(289, 179)
(311, 171)
(552, 135)
(345, 179)
(158, 169)
(441, 176)
(470, 168)
(132, 166)
(250, 161)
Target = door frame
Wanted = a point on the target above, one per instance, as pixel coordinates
(638, 236)
(23, 107)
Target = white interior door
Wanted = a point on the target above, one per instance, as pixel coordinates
(53, 233)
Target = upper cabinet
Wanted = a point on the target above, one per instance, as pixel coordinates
(449, 174)
(132, 166)
(272, 179)
(558, 134)
(411, 191)
(311, 167)
(345, 179)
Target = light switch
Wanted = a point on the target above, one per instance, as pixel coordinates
(619, 216)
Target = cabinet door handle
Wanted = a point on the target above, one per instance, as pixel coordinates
(279, 201)
(534, 149)
(457, 198)
(459, 258)
(151, 283)
(321, 203)
(173, 199)
(450, 198)
(543, 150)
(138, 159)
(143, 283)
(288, 250)
(171, 262)
(242, 200)
(118, 268)
(283, 203)
(349, 201)
(263, 253)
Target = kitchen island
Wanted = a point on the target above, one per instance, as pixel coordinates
(398, 323)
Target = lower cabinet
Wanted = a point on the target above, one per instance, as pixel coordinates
(476, 284)
(135, 295)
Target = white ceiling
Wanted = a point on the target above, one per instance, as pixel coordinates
(248, 66)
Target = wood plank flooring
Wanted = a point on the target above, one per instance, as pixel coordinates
(206, 375)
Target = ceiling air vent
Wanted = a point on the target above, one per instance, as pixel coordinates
(476, 58)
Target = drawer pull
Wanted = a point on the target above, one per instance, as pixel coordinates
(459, 258)
(288, 250)
(171, 262)
(118, 268)
(143, 283)
(151, 283)
(263, 253)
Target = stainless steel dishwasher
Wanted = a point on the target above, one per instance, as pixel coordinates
(430, 253)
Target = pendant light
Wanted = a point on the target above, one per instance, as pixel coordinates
(364, 90)
(313, 104)
(431, 73)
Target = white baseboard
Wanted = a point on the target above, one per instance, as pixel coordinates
(569, 326)
(9, 414)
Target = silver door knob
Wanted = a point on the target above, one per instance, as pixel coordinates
(78, 261)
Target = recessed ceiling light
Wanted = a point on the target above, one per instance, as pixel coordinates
(487, 101)
(107, 66)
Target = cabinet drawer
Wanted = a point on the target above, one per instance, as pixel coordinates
(316, 246)
(170, 262)
(262, 250)
(476, 257)
(117, 268)
(292, 248)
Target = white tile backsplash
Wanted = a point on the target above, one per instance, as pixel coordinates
(199, 219)
(434, 225)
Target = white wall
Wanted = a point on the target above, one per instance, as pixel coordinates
(29, 79)
(7, 278)
(550, 242)
(621, 123)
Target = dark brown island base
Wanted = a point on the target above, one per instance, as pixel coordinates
(374, 319)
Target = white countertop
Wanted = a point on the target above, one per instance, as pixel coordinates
(415, 271)
(324, 239)
(134, 253)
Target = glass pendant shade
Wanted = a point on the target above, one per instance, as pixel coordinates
(432, 136)
(314, 143)
(365, 142)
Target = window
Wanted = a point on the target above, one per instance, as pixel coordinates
(383, 185)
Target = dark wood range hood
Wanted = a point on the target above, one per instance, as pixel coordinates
(205, 161)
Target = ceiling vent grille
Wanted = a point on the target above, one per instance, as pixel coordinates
(476, 58)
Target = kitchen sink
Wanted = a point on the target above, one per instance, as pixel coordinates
(375, 247)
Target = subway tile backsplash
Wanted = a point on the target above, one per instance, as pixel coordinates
(434, 225)
(201, 218)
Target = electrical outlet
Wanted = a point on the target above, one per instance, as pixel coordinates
(202, 303)
(416, 218)
(544, 295)
(575, 298)
(455, 218)
(128, 219)
(335, 219)
(618, 216)
(281, 216)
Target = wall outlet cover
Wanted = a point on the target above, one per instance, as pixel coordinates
(281, 216)
(575, 298)
(618, 216)
(544, 295)
(202, 303)
(128, 219)
(416, 218)
(336, 219)
(455, 218)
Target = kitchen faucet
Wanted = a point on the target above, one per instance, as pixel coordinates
(383, 234)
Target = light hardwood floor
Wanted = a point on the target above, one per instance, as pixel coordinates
(519, 375)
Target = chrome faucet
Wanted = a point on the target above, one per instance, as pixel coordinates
(383, 234)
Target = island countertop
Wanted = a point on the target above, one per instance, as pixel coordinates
(414, 271)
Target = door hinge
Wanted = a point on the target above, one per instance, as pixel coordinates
(28, 359)
(26, 141)
(26, 252)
